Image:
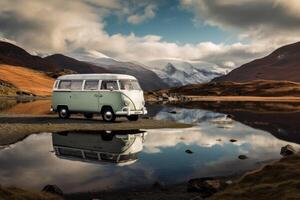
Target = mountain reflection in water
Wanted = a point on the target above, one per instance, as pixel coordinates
(120, 147)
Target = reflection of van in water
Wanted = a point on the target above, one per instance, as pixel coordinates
(101, 146)
(110, 95)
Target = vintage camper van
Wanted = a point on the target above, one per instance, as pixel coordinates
(119, 147)
(111, 95)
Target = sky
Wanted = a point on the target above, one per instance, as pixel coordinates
(222, 32)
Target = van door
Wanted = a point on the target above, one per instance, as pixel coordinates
(75, 95)
(89, 98)
(110, 95)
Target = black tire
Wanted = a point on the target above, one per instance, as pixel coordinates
(107, 136)
(88, 115)
(108, 114)
(133, 117)
(64, 113)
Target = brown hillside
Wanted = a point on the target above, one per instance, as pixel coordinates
(27, 80)
(282, 64)
(262, 88)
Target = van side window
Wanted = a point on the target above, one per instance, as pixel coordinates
(64, 84)
(107, 85)
(76, 85)
(91, 85)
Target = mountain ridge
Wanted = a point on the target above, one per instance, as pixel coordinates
(281, 64)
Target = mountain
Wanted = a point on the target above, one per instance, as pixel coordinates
(59, 64)
(65, 62)
(147, 78)
(179, 73)
(11, 54)
(282, 64)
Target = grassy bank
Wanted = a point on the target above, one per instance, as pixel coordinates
(12, 193)
(279, 180)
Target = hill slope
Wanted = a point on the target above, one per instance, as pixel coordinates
(255, 88)
(282, 64)
(27, 80)
(65, 62)
(11, 54)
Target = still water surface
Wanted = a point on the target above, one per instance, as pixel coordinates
(78, 162)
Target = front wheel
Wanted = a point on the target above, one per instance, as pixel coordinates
(133, 117)
(108, 115)
(64, 113)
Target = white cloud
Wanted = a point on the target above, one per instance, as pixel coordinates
(149, 13)
(51, 27)
(269, 22)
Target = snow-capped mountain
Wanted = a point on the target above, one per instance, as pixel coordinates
(178, 72)
(157, 74)
(147, 78)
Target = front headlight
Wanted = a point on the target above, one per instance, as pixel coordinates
(126, 102)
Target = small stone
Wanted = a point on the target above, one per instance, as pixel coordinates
(53, 189)
(287, 150)
(229, 182)
(204, 186)
(219, 140)
(188, 151)
(232, 140)
(242, 157)
(158, 185)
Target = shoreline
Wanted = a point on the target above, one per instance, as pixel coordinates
(195, 98)
(245, 98)
(14, 128)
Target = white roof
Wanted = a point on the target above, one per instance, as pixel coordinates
(95, 77)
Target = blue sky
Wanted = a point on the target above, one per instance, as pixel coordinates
(173, 23)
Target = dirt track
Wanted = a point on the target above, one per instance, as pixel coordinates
(14, 128)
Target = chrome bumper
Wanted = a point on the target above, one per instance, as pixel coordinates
(127, 111)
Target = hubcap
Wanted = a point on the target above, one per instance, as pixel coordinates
(63, 112)
(108, 115)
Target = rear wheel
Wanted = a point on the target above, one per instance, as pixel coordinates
(88, 115)
(133, 117)
(108, 114)
(64, 113)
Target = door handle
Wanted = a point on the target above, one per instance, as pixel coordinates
(98, 95)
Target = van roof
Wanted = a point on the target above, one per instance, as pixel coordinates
(95, 76)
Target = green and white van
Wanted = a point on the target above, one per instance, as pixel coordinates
(111, 95)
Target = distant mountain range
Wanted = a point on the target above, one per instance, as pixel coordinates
(282, 64)
(13, 55)
(179, 72)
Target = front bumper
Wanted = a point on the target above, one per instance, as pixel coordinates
(127, 111)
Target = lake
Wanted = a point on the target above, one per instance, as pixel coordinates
(107, 160)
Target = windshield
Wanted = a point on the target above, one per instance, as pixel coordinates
(129, 85)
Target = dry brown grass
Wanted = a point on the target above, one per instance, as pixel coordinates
(279, 180)
(27, 80)
(35, 108)
(12, 193)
